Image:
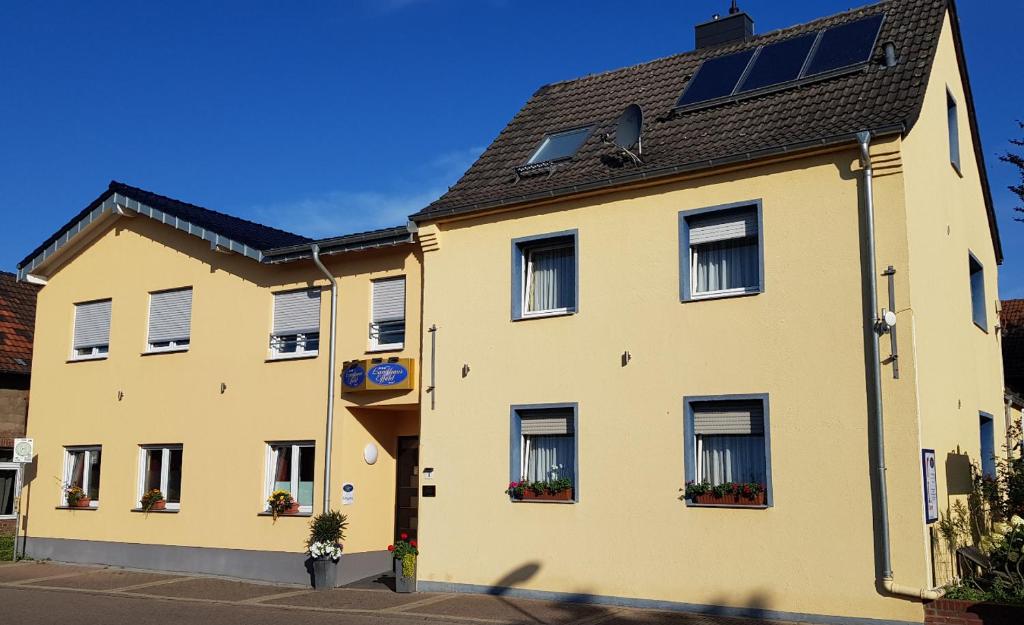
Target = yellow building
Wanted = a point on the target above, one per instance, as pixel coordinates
(782, 279)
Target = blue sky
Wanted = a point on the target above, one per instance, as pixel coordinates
(332, 117)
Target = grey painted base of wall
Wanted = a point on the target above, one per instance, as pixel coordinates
(654, 604)
(265, 566)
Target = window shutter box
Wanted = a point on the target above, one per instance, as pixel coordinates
(742, 418)
(170, 315)
(723, 226)
(297, 312)
(92, 324)
(389, 299)
(546, 423)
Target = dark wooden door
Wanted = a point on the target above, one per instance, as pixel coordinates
(407, 486)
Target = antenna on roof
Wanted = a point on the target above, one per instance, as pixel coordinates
(628, 132)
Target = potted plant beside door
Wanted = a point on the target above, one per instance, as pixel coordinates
(326, 531)
(405, 552)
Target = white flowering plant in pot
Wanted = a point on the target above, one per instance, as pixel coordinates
(325, 550)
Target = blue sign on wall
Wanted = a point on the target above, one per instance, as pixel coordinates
(387, 374)
(353, 376)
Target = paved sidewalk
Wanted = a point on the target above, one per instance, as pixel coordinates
(44, 592)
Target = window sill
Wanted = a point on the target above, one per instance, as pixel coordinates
(545, 315)
(296, 356)
(285, 516)
(164, 511)
(91, 508)
(721, 295)
(173, 350)
(380, 349)
(86, 358)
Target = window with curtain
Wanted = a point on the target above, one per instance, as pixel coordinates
(548, 280)
(729, 442)
(296, 324)
(724, 255)
(82, 469)
(977, 277)
(290, 468)
(161, 470)
(548, 445)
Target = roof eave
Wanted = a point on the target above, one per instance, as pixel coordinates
(390, 237)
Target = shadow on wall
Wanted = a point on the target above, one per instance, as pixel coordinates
(584, 605)
(958, 473)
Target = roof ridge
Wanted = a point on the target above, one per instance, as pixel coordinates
(117, 185)
(700, 52)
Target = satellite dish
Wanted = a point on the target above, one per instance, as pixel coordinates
(627, 131)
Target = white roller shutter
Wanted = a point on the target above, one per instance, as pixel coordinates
(389, 300)
(92, 324)
(297, 312)
(723, 226)
(547, 422)
(170, 315)
(728, 417)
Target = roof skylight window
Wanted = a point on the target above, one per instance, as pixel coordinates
(560, 145)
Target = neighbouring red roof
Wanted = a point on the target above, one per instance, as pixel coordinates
(17, 323)
(1011, 319)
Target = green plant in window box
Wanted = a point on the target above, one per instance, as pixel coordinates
(281, 502)
(153, 500)
(556, 489)
(741, 493)
(76, 497)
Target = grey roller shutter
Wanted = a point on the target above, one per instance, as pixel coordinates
(723, 226)
(92, 324)
(728, 417)
(389, 300)
(297, 312)
(547, 422)
(170, 315)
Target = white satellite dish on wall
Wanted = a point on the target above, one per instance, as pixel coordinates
(370, 453)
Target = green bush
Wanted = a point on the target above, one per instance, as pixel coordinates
(6, 548)
(327, 527)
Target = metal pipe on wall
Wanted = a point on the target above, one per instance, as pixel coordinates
(330, 375)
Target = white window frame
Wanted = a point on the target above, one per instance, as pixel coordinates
(91, 352)
(300, 345)
(180, 345)
(375, 344)
(271, 466)
(87, 462)
(16, 467)
(165, 462)
(171, 346)
(527, 282)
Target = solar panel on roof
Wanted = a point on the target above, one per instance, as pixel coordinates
(716, 78)
(845, 45)
(779, 62)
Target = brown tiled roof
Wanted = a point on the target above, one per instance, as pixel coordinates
(1011, 320)
(17, 323)
(833, 109)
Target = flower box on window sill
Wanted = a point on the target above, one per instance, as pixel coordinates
(710, 499)
(562, 495)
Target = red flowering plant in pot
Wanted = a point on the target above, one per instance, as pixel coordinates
(556, 488)
(726, 493)
(405, 552)
(76, 497)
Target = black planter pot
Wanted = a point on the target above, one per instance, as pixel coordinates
(325, 573)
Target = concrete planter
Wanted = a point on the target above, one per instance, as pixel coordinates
(403, 583)
(959, 612)
(325, 573)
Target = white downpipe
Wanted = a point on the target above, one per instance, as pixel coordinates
(330, 375)
(887, 581)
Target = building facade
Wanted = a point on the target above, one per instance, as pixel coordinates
(784, 287)
(17, 323)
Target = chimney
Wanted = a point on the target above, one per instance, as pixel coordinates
(738, 26)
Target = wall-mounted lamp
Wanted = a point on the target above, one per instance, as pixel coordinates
(370, 453)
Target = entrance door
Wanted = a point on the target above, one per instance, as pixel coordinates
(407, 486)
